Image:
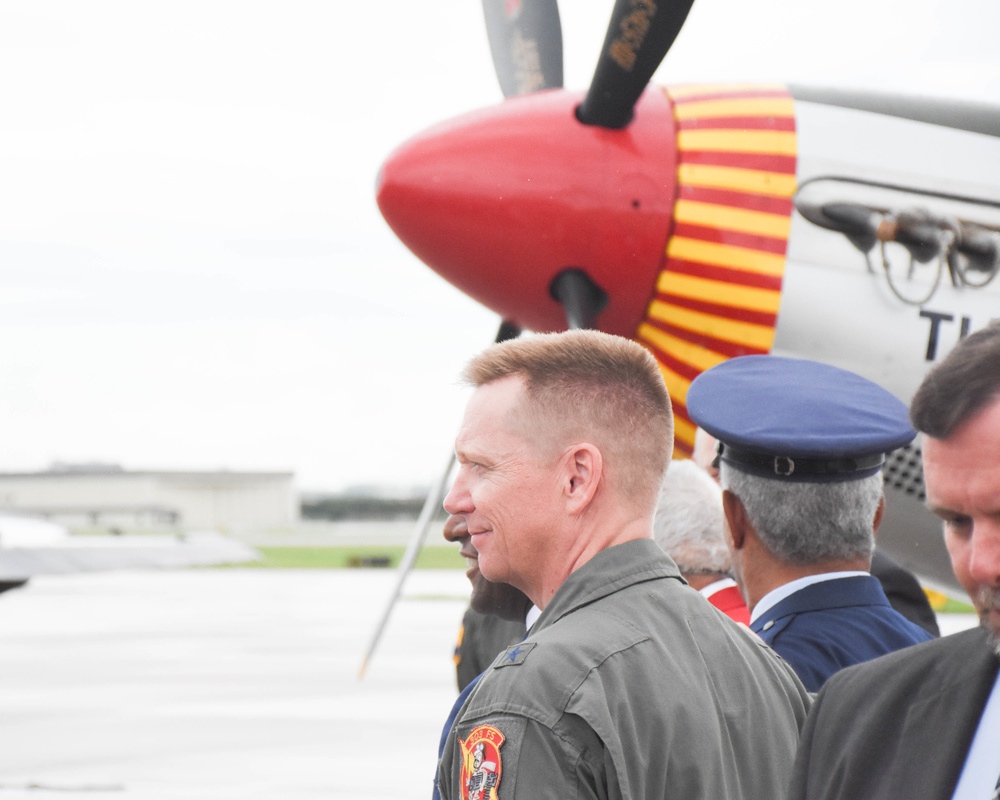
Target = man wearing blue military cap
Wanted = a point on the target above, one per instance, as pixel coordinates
(801, 450)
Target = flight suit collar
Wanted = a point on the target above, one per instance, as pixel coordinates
(607, 572)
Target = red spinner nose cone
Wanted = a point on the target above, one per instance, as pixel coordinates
(500, 201)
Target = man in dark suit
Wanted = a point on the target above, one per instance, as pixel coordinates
(802, 449)
(926, 722)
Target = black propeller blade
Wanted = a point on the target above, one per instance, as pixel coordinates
(580, 297)
(639, 35)
(507, 330)
(526, 42)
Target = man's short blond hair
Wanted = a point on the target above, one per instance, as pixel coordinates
(588, 386)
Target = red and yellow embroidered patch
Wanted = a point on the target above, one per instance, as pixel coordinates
(481, 764)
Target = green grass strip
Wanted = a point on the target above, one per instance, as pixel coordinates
(952, 606)
(388, 557)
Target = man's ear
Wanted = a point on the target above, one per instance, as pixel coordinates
(879, 513)
(584, 467)
(736, 516)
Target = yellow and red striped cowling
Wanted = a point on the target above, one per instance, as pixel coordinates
(718, 293)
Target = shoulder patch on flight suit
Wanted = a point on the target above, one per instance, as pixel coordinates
(482, 763)
(514, 655)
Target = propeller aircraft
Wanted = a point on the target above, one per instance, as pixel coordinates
(712, 221)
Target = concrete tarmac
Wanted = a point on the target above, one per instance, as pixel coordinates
(224, 684)
(227, 684)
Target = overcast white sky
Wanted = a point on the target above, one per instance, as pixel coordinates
(193, 271)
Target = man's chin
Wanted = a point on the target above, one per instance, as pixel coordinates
(989, 616)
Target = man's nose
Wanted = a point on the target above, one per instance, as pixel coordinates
(458, 500)
(455, 529)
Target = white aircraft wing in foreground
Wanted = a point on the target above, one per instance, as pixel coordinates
(30, 546)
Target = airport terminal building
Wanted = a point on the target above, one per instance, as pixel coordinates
(107, 496)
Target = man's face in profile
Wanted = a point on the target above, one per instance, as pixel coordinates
(506, 487)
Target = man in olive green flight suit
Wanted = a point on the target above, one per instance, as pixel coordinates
(629, 685)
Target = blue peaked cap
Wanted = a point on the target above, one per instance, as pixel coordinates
(798, 420)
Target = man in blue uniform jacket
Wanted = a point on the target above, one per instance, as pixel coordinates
(801, 449)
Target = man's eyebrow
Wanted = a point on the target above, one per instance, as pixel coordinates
(467, 453)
